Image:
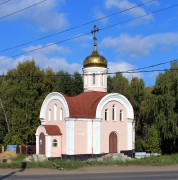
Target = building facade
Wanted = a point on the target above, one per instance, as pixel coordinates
(93, 123)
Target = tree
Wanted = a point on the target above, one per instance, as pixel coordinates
(137, 92)
(119, 84)
(67, 84)
(20, 96)
(165, 108)
(63, 83)
(152, 140)
(77, 84)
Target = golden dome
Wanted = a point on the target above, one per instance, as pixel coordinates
(95, 60)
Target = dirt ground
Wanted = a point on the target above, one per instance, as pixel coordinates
(101, 169)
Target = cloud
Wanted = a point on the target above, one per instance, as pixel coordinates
(125, 4)
(99, 15)
(43, 62)
(155, 2)
(139, 45)
(83, 40)
(57, 64)
(45, 15)
(6, 65)
(50, 50)
(52, 57)
(123, 66)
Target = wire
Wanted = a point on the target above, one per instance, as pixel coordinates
(75, 27)
(37, 49)
(64, 75)
(22, 9)
(153, 65)
(139, 17)
(56, 43)
(4, 2)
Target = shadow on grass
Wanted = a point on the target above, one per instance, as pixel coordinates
(22, 168)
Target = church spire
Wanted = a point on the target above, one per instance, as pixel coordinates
(94, 31)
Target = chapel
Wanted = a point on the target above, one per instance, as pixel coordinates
(93, 123)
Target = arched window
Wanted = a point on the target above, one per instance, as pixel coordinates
(49, 115)
(60, 114)
(94, 78)
(55, 112)
(106, 115)
(114, 113)
(121, 115)
(55, 143)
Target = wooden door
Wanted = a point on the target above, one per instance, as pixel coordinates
(42, 143)
(113, 142)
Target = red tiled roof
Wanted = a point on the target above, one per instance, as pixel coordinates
(52, 130)
(84, 105)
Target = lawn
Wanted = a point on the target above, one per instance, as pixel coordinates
(71, 164)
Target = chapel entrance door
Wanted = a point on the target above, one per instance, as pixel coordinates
(113, 142)
(42, 143)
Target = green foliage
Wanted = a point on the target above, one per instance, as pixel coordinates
(137, 91)
(155, 106)
(119, 84)
(152, 140)
(22, 99)
(72, 164)
(69, 85)
(12, 138)
(139, 144)
(165, 108)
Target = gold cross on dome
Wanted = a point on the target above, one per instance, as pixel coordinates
(94, 31)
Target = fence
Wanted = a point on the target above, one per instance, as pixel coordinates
(29, 149)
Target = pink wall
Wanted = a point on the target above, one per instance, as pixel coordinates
(61, 124)
(120, 127)
(56, 151)
(80, 138)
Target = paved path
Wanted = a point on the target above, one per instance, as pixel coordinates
(84, 170)
(94, 173)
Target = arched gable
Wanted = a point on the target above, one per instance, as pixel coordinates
(49, 98)
(115, 97)
(52, 130)
(40, 129)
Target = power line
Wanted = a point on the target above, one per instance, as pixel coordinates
(37, 49)
(75, 37)
(139, 17)
(153, 65)
(75, 27)
(22, 9)
(4, 2)
(63, 75)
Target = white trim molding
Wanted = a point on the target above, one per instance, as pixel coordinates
(96, 137)
(90, 137)
(37, 144)
(48, 99)
(48, 146)
(115, 97)
(130, 135)
(70, 137)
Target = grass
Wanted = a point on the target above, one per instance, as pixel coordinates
(72, 164)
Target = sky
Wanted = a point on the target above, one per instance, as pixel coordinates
(125, 39)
